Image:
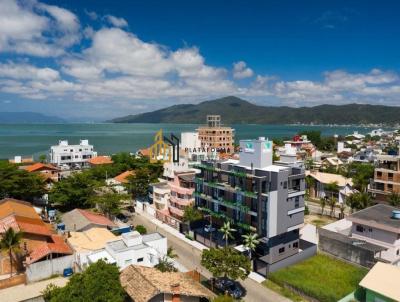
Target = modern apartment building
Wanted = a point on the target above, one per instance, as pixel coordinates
(256, 195)
(386, 177)
(182, 189)
(72, 156)
(216, 136)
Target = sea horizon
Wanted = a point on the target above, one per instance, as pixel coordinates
(111, 138)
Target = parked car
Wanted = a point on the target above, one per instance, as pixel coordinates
(209, 228)
(233, 288)
(122, 217)
(68, 272)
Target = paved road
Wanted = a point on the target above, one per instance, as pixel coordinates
(190, 257)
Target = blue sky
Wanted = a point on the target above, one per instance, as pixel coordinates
(101, 59)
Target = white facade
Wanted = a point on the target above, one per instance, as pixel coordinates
(67, 155)
(341, 148)
(134, 248)
(191, 144)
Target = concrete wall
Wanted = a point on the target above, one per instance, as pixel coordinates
(44, 269)
(329, 242)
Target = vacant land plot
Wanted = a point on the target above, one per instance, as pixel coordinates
(321, 277)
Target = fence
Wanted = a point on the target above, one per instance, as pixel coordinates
(15, 280)
(306, 250)
(44, 269)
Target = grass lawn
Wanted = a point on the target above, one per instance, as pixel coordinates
(318, 220)
(321, 277)
(283, 291)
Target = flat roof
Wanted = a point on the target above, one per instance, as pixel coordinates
(378, 216)
(101, 254)
(383, 279)
(120, 245)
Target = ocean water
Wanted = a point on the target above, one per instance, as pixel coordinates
(36, 139)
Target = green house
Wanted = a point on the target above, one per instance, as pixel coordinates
(382, 283)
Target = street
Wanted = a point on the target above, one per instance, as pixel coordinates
(190, 257)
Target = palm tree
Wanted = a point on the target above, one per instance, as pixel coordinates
(227, 231)
(394, 199)
(342, 209)
(353, 202)
(365, 200)
(251, 242)
(10, 242)
(332, 203)
(322, 203)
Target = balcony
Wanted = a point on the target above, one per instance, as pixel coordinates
(175, 211)
(181, 201)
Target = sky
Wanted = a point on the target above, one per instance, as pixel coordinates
(94, 60)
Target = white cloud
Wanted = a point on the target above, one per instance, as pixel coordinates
(117, 67)
(36, 29)
(241, 71)
(115, 21)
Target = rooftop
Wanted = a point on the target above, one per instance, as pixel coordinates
(378, 216)
(144, 283)
(100, 160)
(123, 177)
(78, 219)
(92, 239)
(327, 178)
(383, 279)
(40, 166)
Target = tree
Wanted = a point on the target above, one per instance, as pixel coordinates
(332, 203)
(165, 264)
(10, 243)
(226, 262)
(98, 283)
(394, 199)
(227, 231)
(138, 184)
(361, 173)
(42, 158)
(342, 209)
(251, 242)
(76, 191)
(322, 203)
(141, 229)
(191, 214)
(359, 201)
(331, 188)
(310, 183)
(110, 203)
(20, 184)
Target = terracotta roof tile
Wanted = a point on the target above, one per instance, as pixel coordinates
(40, 167)
(143, 283)
(123, 177)
(9, 206)
(96, 218)
(100, 160)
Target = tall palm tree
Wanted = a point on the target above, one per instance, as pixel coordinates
(353, 201)
(227, 231)
(332, 203)
(322, 203)
(251, 242)
(10, 242)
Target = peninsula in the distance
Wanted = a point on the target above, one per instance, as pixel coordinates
(238, 111)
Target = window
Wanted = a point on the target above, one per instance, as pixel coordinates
(140, 259)
(281, 250)
(296, 245)
(285, 184)
(370, 230)
(379, 174)
(398, 252)
(297, 202)
(359, 228)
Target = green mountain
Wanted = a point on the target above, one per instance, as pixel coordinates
(28, 118)
(237, 111)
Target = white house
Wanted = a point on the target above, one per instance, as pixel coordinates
(134, 248)
(129, 248)
(321, 180)
(72, 156)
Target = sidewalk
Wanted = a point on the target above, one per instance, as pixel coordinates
(254, 276)
(34, 290)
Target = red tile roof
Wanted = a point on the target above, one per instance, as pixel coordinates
(96, 218)
(123, 177)
(32, 226)
(100, 160)
(40, 167)
(57, 246)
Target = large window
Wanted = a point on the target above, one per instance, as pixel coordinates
(359, 228)
(281, 250)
